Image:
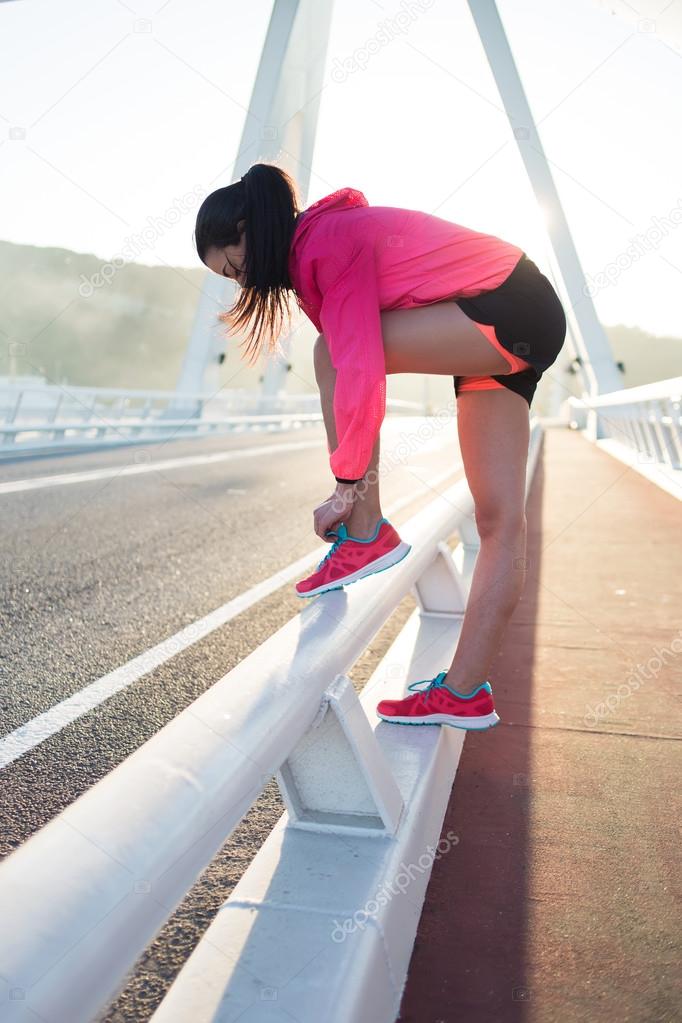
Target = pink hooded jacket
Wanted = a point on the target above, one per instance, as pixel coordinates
(348, 261)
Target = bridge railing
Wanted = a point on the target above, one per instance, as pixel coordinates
(642, 426)
(50, 402)
(55, 416)
(365, 801)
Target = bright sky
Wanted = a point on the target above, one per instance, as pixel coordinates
(115, 113)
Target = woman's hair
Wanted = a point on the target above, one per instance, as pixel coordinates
(266, 198)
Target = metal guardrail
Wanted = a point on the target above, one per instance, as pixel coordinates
(83, 897)
(49, 401)
(126, 431)
(642, 426)
(59, 417)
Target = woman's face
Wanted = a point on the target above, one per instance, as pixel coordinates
(230, 260)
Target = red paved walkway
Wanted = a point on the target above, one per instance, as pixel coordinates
(561, 900)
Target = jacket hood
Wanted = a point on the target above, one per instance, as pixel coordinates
(338, 200)
(342, 199)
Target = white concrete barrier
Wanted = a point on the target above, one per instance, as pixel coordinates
(82, 898)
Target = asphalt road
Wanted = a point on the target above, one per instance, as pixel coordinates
(98, 569)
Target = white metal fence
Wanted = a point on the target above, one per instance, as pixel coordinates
(642, 426)
(305, 927)
(51, 416)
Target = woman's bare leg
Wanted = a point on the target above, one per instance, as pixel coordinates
(494, 430)
(438, 338)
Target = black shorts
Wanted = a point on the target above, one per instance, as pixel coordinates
(528, 320)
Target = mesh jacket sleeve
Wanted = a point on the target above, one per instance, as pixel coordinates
(351, 324)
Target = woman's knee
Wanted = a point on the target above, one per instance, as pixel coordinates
(506, 524)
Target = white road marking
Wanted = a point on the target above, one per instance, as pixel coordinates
(51, 721)
(63, 479)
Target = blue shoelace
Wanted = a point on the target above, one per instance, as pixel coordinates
(434, 683)
(438, 683)
(341, 536)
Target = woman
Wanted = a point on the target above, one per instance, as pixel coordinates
(393, 290)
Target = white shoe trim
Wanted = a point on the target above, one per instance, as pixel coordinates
(458, 720)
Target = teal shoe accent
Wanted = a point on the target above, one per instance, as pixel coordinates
(356, 539)
(342, 534)
(372, 538)
(438, 683)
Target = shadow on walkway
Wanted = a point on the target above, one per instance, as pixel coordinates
(558, 902)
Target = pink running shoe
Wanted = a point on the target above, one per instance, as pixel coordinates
(351, 559)
(438, 704)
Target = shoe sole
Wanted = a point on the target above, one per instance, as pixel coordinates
(380, 565)
(470, 724)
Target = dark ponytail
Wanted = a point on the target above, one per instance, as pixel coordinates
(266, 198)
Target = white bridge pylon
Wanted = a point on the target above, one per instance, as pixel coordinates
(281, 127)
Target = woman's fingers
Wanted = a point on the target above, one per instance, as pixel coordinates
(327, 515)
(326, 519)
(322, 525)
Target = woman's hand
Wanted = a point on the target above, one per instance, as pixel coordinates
(335, 509)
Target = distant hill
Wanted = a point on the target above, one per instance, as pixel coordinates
(647, 357)
(132, 331)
